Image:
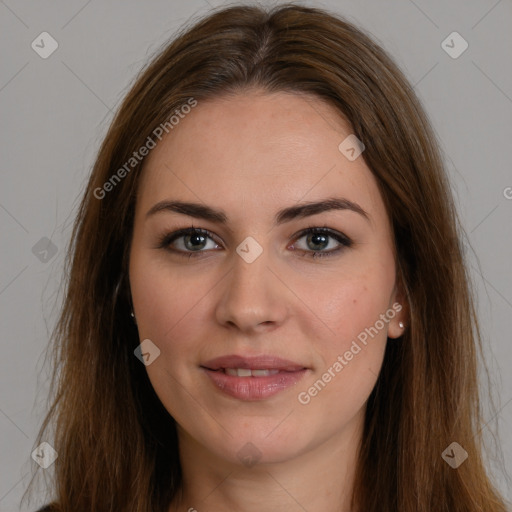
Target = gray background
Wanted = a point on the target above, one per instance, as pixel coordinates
(55, 112)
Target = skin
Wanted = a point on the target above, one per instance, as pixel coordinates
(251, 155)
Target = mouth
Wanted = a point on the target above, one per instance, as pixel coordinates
(253, 378)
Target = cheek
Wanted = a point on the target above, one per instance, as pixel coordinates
(349, 305)
(352, 352)
(349, 357)
(156, 301)
(169, 310)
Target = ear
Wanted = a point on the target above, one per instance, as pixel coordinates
(400, 305)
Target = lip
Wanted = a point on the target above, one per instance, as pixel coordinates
(253, 388)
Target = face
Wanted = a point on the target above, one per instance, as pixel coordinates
(304, 298)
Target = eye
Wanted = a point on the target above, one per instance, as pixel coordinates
(317, 240)
(191, 242)
(188, 241)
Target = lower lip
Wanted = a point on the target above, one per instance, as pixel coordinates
(254, 388)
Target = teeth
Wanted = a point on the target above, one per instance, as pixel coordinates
(263, 373)
(246, 372)
(241, 372)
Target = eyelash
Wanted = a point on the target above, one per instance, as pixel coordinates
(345, 242)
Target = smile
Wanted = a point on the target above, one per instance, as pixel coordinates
(253, 378)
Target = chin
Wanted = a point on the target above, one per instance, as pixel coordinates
(259, 444)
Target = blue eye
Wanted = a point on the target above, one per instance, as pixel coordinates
(193, 240)
(320, 238)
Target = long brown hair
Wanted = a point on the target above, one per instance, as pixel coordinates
(117, 444)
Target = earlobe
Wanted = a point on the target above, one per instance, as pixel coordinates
(396, 327)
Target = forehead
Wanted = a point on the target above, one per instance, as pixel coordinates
(255, 150)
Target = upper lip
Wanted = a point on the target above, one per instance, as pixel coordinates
(263, 362)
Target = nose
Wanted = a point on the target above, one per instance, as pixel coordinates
(252, 297)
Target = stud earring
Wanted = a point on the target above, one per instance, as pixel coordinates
(132, 314)
(401, 325)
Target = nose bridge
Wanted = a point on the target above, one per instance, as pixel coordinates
(251, 276)
(251, 293)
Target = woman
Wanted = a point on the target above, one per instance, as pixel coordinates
(267, 306)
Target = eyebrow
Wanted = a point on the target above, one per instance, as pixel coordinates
(201, 211)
